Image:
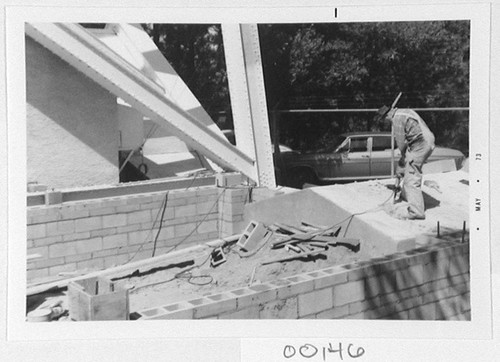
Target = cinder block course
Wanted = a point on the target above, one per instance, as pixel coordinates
(460, 278)
(448, 307)
(324, 280)
(348, 293)
(423, 312)
(203, 208)
(103, 232)
(207, 227)
(138, 199)
(36, 231)
(92, 264)
(280, 309)
(184, 229)
(298, 285)
(62, 249)
(252, 312)
(400, 315)
(104, 253)
(181, 311)
(117, 201)
(213, 306)
(138, 217)
(128, 208)
(155, 206)
(37, 274)
(139, 237)
(43, 251)
(102, 211)
(128, 228)
(60, 227)
(315, 302)
(361, 306)
(435, 295)
(207, 191)
(47, 241)
(260, 293)
(181, 194)
(109, 221)
(115, 260)
(334, 313)
(42, 264)
(77, 257)
(361, 270)
(410, 277)
(88, 224)
(70, 212)
(89, 245)
(75, 236)
(114, 241)
(55, 270)
(185, 210)
(459, 265)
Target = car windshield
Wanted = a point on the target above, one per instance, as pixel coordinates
(333, 144)
(343, 144)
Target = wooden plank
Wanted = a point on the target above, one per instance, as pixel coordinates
(141, 265)
(289, 229)
(352, 244)
(292, 257)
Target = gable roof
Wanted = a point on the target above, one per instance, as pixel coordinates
(87, 53)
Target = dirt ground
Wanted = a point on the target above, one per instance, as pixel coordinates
(168, 286)
(189, 275)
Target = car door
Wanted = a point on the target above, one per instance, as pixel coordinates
(355, 162)
(381, 156)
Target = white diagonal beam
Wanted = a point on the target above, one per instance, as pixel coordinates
(248, 97)
(154, 63)
(86, 53)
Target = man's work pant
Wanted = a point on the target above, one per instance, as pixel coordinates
(416, 155)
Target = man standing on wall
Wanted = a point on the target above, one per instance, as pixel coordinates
(416, 143)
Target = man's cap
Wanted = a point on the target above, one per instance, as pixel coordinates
(381, 113)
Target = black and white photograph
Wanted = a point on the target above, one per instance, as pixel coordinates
(243, 176)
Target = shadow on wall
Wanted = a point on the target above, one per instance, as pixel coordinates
(436, 290)
(73, 105)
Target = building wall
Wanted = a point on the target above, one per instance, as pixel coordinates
(72, 125)
(429, 283)
(101, 233)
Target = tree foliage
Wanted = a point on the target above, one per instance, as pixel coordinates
(337, 65)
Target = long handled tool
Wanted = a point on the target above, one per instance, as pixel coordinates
(392, 134)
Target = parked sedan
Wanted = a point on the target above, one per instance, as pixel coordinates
(355, 156)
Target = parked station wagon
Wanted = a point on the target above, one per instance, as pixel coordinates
(354, 156)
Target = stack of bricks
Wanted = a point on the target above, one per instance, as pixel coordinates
(430, 283)
(232, 207)
(101, 233)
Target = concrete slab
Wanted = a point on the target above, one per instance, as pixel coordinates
(360, 208)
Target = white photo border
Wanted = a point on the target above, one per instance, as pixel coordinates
(480, 327)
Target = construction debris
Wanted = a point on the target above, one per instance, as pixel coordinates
(217, 257)
(252, 235)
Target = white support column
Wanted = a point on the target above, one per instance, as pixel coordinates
(248, 97)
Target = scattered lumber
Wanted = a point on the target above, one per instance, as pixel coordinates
(287, 229)
(292, 257)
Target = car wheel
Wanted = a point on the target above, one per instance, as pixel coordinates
(300, 176)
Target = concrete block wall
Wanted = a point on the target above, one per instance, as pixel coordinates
(428, 283)
(232, 207)
(97, 234)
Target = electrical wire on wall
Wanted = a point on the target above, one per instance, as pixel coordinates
(198, 223)
(162, 207)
